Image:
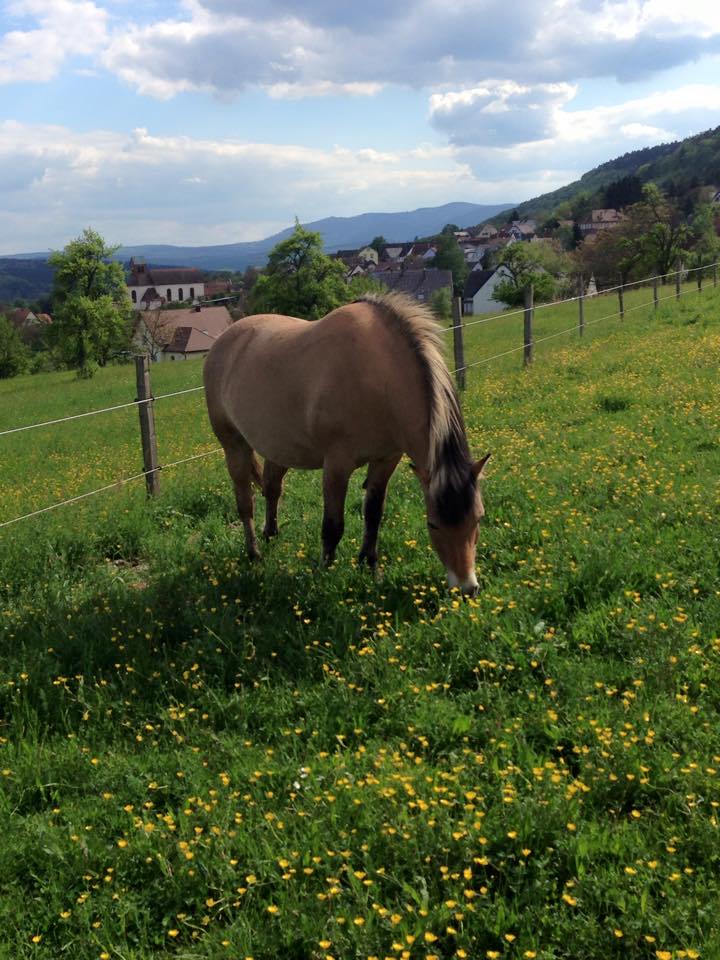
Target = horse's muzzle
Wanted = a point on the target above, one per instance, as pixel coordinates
(469, 586)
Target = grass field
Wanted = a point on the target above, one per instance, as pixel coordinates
(203, 758)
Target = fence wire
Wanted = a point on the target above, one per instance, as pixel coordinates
(109, 486)
(496, 356)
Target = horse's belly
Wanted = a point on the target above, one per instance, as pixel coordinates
(284, 447)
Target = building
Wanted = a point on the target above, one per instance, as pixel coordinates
(600, 220)
(152, 287)
(420, 284)
(179, 334)
(29, 325)
(479, 290)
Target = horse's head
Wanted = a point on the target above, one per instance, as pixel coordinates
(453, 514)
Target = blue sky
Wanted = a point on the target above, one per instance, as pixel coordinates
(216, 121)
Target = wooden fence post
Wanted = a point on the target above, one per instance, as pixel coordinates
(528, 325)
(700, 279)
(458, 344)
(621, 298)
(655, 292)
(714, 274)
(147, 425)
(581, 307)
(677, 279)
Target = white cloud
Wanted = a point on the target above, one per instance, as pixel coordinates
(147, 188)
(65, 28)
(500, 114)
(325, 46)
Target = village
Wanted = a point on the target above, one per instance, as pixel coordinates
(178, 311)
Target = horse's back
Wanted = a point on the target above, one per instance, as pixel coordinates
(296, 389)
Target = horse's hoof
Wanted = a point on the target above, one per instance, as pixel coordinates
(369, 559)
(270, 532)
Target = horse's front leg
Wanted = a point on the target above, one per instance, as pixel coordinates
(336, 476)
(272, 480)
(378, 475)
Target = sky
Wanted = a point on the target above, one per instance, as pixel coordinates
(199, 122)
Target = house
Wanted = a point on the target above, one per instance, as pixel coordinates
(420, 284)
(479, 289)
(29, 325)
(179, 334)
(151, 287)
(601, 220)
(522, 229)
(220, 287)
(488, 232)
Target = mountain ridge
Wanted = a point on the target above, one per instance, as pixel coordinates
(337, 233)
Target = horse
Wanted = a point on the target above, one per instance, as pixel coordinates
(365, 384)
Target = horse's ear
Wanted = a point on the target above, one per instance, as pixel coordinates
(420, 474)
(478, 468)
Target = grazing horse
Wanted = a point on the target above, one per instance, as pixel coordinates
(363, 385)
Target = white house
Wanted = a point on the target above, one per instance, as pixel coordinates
(151, 287)
(479, 289)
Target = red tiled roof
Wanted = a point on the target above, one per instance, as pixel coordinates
(189, 331)
(158, 277)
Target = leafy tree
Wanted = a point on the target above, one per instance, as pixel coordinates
(522, 266)
(300, 280)
(14, 354)
(623, 192)
(91, 306)
(449, 256)
(378, 244)
(704, 239)
(612, 255)
(663, 235)
(441, 304)
(362, 284)
(449, 229)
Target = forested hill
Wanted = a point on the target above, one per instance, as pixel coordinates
(28, 280)
(675, 167)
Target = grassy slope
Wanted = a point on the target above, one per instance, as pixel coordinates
(201, 758)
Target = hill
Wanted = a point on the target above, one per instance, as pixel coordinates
(337, 233)
(29, 279)
(677, 167)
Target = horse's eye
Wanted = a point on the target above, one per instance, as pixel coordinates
(433, 526)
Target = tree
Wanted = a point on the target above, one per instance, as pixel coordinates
(91, 306)
(612, 255)
(623, 192)
(449, 256)
(300, 280)
(660, 224)
(378, 244)
(441, 305)
(14, 354)
(522, 266)
(705, 241)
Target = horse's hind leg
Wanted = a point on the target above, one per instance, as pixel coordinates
(378, 475)
(243, 469)
(272, 482)
(336, 475)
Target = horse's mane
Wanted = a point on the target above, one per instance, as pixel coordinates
(452, 485)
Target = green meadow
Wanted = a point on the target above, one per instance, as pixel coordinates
(206, 758)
